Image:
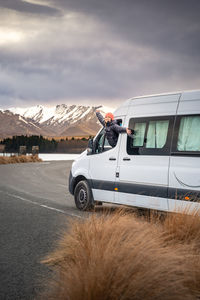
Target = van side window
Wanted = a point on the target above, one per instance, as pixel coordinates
(157, 134)
(139, 129)
(151, 136)
(189, 134)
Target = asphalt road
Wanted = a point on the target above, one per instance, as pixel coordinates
(35, 206)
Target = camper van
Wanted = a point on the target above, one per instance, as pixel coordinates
(157, 167)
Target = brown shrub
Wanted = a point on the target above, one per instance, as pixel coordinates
(119, 257)
(2, 160)
(19, 159)
(183, 228)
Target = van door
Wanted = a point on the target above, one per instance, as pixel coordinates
(102, 168)
(184, 175)
(144, 163)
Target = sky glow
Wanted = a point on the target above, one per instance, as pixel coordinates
(91, 52)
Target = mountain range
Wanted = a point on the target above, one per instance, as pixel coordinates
(57, 121)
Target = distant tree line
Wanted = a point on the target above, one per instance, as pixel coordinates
(45, 145)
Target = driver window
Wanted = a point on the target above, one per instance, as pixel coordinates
(106, 145)
(102, 144)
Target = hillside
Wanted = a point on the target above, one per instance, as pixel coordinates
(60, 120)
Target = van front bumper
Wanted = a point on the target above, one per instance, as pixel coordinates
(71, 183)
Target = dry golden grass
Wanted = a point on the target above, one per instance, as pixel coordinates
(120, 256)
(19, 159)
(183, 228)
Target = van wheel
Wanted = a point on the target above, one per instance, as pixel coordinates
(83, 196)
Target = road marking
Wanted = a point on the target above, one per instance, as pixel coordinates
(45, 206)
(62, 185)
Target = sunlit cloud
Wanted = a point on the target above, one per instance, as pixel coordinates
(96, 51)
(10, 37)
(40, 2)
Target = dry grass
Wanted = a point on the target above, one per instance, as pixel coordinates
(19, 159)
(183, 228)
(120, 256)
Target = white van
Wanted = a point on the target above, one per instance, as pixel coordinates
(158, 167)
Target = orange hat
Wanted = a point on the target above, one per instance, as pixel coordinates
(110, 115)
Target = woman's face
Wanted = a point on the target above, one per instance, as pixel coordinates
(107, 119)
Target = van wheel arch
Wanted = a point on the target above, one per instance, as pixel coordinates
(77, 180)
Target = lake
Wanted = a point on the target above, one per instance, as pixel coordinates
(52, 156)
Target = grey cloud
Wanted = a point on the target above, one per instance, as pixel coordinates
(106, 50)
(167, 25)
(71, 79)
(26, 7)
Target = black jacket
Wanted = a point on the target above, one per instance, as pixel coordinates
(112, 129)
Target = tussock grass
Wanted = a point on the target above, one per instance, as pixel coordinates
(19, 159)
(183, 228)
(120, 256)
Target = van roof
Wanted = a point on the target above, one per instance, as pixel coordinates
(186, 94)
(164, 94)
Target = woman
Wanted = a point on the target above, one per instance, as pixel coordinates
(112, 129)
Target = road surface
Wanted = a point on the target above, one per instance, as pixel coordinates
(35, 206)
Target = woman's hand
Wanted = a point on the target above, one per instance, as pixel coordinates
(128, 131)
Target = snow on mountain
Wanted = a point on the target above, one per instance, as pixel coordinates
(37, 113)
(14, 124)
(59, 113)
(57, 120)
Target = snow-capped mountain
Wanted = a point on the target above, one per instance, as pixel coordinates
(59, 120)
(11, 124)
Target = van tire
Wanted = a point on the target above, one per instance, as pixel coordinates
(83, 196)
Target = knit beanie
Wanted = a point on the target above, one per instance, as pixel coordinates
(110, 115)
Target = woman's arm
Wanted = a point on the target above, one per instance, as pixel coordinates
(120, 129)
(100, 118)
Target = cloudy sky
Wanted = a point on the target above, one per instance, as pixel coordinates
(94, 52)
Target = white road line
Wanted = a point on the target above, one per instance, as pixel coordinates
(62, 185)
(52, 208)
(45, 206)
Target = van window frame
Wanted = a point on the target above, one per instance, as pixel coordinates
(175, 151)
(141, 150)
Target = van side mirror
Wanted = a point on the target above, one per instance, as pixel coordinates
(90, 147)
